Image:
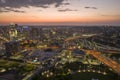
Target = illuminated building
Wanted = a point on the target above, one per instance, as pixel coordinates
(12, 32)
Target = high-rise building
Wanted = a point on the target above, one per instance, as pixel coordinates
(12, 32)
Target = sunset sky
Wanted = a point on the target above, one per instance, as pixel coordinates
(69, 12)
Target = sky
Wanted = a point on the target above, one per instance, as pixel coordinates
(65, 12)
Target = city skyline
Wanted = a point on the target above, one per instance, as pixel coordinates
(70, 12)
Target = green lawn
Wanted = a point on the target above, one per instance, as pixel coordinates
(21, 67)
(89, 76)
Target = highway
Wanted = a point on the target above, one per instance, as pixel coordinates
(107, 61)
(98, 55)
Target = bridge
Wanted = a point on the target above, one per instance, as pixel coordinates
(73, 38)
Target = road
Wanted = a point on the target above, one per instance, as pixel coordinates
(3, 38)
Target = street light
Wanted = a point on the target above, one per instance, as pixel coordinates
(79, 70)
